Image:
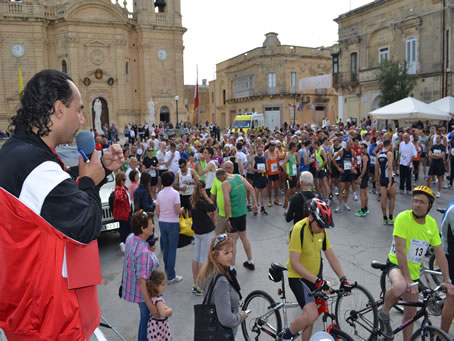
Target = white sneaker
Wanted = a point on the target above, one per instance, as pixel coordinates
(355, 197)
(176, 279)
(346, 207)
(122, 247)
(438, 194)
(338, 209)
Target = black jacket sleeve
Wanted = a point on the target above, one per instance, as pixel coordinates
(292, 208)
(74, 209)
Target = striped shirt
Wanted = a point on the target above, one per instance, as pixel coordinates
(139, 263)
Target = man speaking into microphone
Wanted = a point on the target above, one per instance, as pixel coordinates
(49, 261)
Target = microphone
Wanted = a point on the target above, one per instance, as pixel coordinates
(85, 144)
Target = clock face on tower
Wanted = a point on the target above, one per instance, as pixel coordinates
(18, 50)
(162, 54)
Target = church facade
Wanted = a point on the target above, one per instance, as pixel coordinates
(129, 64)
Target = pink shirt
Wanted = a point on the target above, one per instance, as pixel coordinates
(132, 187)
(167, 198)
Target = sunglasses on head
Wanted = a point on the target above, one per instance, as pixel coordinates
(219, 239)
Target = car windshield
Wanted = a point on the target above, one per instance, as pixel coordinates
(241, 124)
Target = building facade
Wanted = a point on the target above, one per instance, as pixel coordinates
(267, 79)
(418, 31)
(131, 62)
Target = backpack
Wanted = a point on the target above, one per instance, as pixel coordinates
(302, 236)
(111, 201)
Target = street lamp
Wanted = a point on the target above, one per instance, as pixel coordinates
(176, 100)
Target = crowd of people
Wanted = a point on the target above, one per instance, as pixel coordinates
(48, 218)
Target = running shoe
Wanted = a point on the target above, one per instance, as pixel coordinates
(197, 291)
(385, 325)
(366, 212)
(355, 197)
(391, 221)
(360, 213)
(174, 280)
(249, 266)
(336, 191)
(270, 203)
(277, 202)
(438, 195)
(263, 212)
(346, 207)
(249, 208)
(338, 209)
(385, 221)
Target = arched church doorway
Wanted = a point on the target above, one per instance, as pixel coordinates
(164, 114)
(100, 114)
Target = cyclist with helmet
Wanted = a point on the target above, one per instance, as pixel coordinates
(307, 239)
(414, 231)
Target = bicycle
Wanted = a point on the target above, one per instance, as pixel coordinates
(356, 320)
(264, 321)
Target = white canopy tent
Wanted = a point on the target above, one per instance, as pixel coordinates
(409, 109)
(445, 104)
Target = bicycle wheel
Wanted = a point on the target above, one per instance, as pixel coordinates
(385, 284)
(339, 335)
(262, 323)
(356, 314)
(429, 333)
(433, 265)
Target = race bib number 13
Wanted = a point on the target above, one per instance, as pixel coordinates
(417, 250)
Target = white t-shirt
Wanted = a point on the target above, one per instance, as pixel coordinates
(173, 166)
(407, 152)
(243, 158)
(161, 158)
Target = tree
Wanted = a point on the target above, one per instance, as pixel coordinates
(395, 82)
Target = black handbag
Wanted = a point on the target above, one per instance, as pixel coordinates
(206, 324)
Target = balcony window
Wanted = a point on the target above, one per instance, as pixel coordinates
(354, 66)
(335, 63)
(271, 83)
(243, 86)
(64, 66)
(410, 55)
(383, 54)
(292, 82)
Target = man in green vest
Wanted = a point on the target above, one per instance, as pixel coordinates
(234, 187)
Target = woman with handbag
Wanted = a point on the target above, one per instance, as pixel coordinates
(203, 219)
(139, 263)
(223, 290)
(122, 207)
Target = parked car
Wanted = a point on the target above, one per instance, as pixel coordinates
(70, 157)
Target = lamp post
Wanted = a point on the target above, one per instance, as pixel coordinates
(176, 100)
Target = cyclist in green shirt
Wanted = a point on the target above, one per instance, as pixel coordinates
(414, 231)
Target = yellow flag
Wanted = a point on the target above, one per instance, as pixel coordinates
(21, 82)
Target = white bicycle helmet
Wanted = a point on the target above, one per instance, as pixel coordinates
(321, 336)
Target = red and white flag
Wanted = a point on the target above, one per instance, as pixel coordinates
(196, 92)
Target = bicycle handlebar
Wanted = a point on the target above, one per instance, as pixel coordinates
(317, 293)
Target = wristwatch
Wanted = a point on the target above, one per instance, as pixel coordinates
(447, 281)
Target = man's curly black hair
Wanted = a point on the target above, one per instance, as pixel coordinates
(38, 99)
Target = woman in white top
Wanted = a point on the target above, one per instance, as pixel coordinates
(185, 179)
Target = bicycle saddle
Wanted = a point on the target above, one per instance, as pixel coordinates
(275, 272)
(378, 265)
(277, 266)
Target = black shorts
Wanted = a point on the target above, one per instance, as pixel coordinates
(436, 170)
(273, 177)
(390, 266)
(260, 182)
(238, 224)
(372, 170)
(291, 182)
(346, 177)
(384, 182)
(334, 171)
(154, 181)
(161, 171)
(321, 174)
(364, 181)
(355, 176)
(450, 266)
(185, 201)
(423, 154)
(301, 289)
(250, 176)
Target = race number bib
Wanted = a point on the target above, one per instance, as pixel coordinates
(261, 166)
(347, 165)
(274, 167)
(417, 250)
(437, 151)
(404, 157)
(281, 162)
(373, 159)
(358, 159)
(318, 163)
(153, 173)
(293, 169)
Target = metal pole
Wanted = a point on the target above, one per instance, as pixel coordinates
(176, 100)
(294, 113)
